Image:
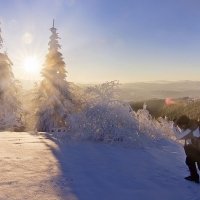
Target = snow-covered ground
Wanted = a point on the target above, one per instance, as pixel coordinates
(36, 167)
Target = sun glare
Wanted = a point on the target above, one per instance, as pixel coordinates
(31, 64)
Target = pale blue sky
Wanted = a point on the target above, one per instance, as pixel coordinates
(103, 40)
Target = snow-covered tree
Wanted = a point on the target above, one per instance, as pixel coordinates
(54, 99)
(104, 118)
(10, 105)
(156, 129)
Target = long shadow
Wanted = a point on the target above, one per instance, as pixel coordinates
(63, 181)
(87, 172)
(100, 171)
(77, 173)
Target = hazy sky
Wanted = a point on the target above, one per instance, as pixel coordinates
(103, 40)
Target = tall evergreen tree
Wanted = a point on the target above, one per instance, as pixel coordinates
(10, 105)
(54, 98)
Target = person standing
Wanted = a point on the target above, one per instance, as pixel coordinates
(188, 130)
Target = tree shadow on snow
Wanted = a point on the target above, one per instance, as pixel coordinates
(101, 171)
(62, 183)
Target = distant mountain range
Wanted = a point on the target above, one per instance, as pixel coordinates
(140, 91)
(149, 90)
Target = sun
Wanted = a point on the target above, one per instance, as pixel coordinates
(31, 64)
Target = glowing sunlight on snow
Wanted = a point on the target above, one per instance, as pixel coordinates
(31, 65)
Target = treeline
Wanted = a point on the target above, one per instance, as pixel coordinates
(159, 108)
(48, 105)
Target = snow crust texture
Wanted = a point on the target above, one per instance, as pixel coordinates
(40, 167)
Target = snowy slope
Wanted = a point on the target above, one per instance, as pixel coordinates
(100, 171)
(35, 167)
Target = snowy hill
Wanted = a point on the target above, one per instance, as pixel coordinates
(99, 171)
(39, 167)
